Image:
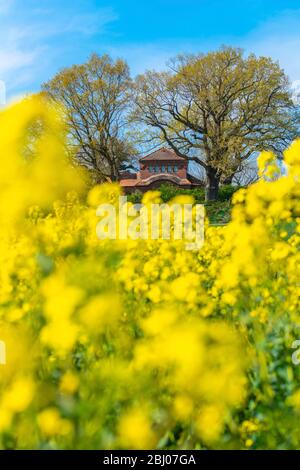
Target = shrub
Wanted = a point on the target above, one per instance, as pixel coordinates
(142, 344)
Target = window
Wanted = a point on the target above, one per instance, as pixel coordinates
(175, 169)
(169, 169)
(157, 169)
(163, 169)
(151, 169)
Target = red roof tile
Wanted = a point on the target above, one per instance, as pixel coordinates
(128, 182)
(162, 154)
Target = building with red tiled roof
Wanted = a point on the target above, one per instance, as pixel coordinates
(159, 167)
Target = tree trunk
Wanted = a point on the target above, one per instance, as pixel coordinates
(228, 179)
(212, 184)
(114, 172)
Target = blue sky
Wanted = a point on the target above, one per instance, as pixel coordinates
(37, 38)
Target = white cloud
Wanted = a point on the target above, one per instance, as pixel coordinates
(2, 93)
(296, 92)
(26, 49)
(13, 59)
(42, 28)
(27, 53)
(143, 57)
